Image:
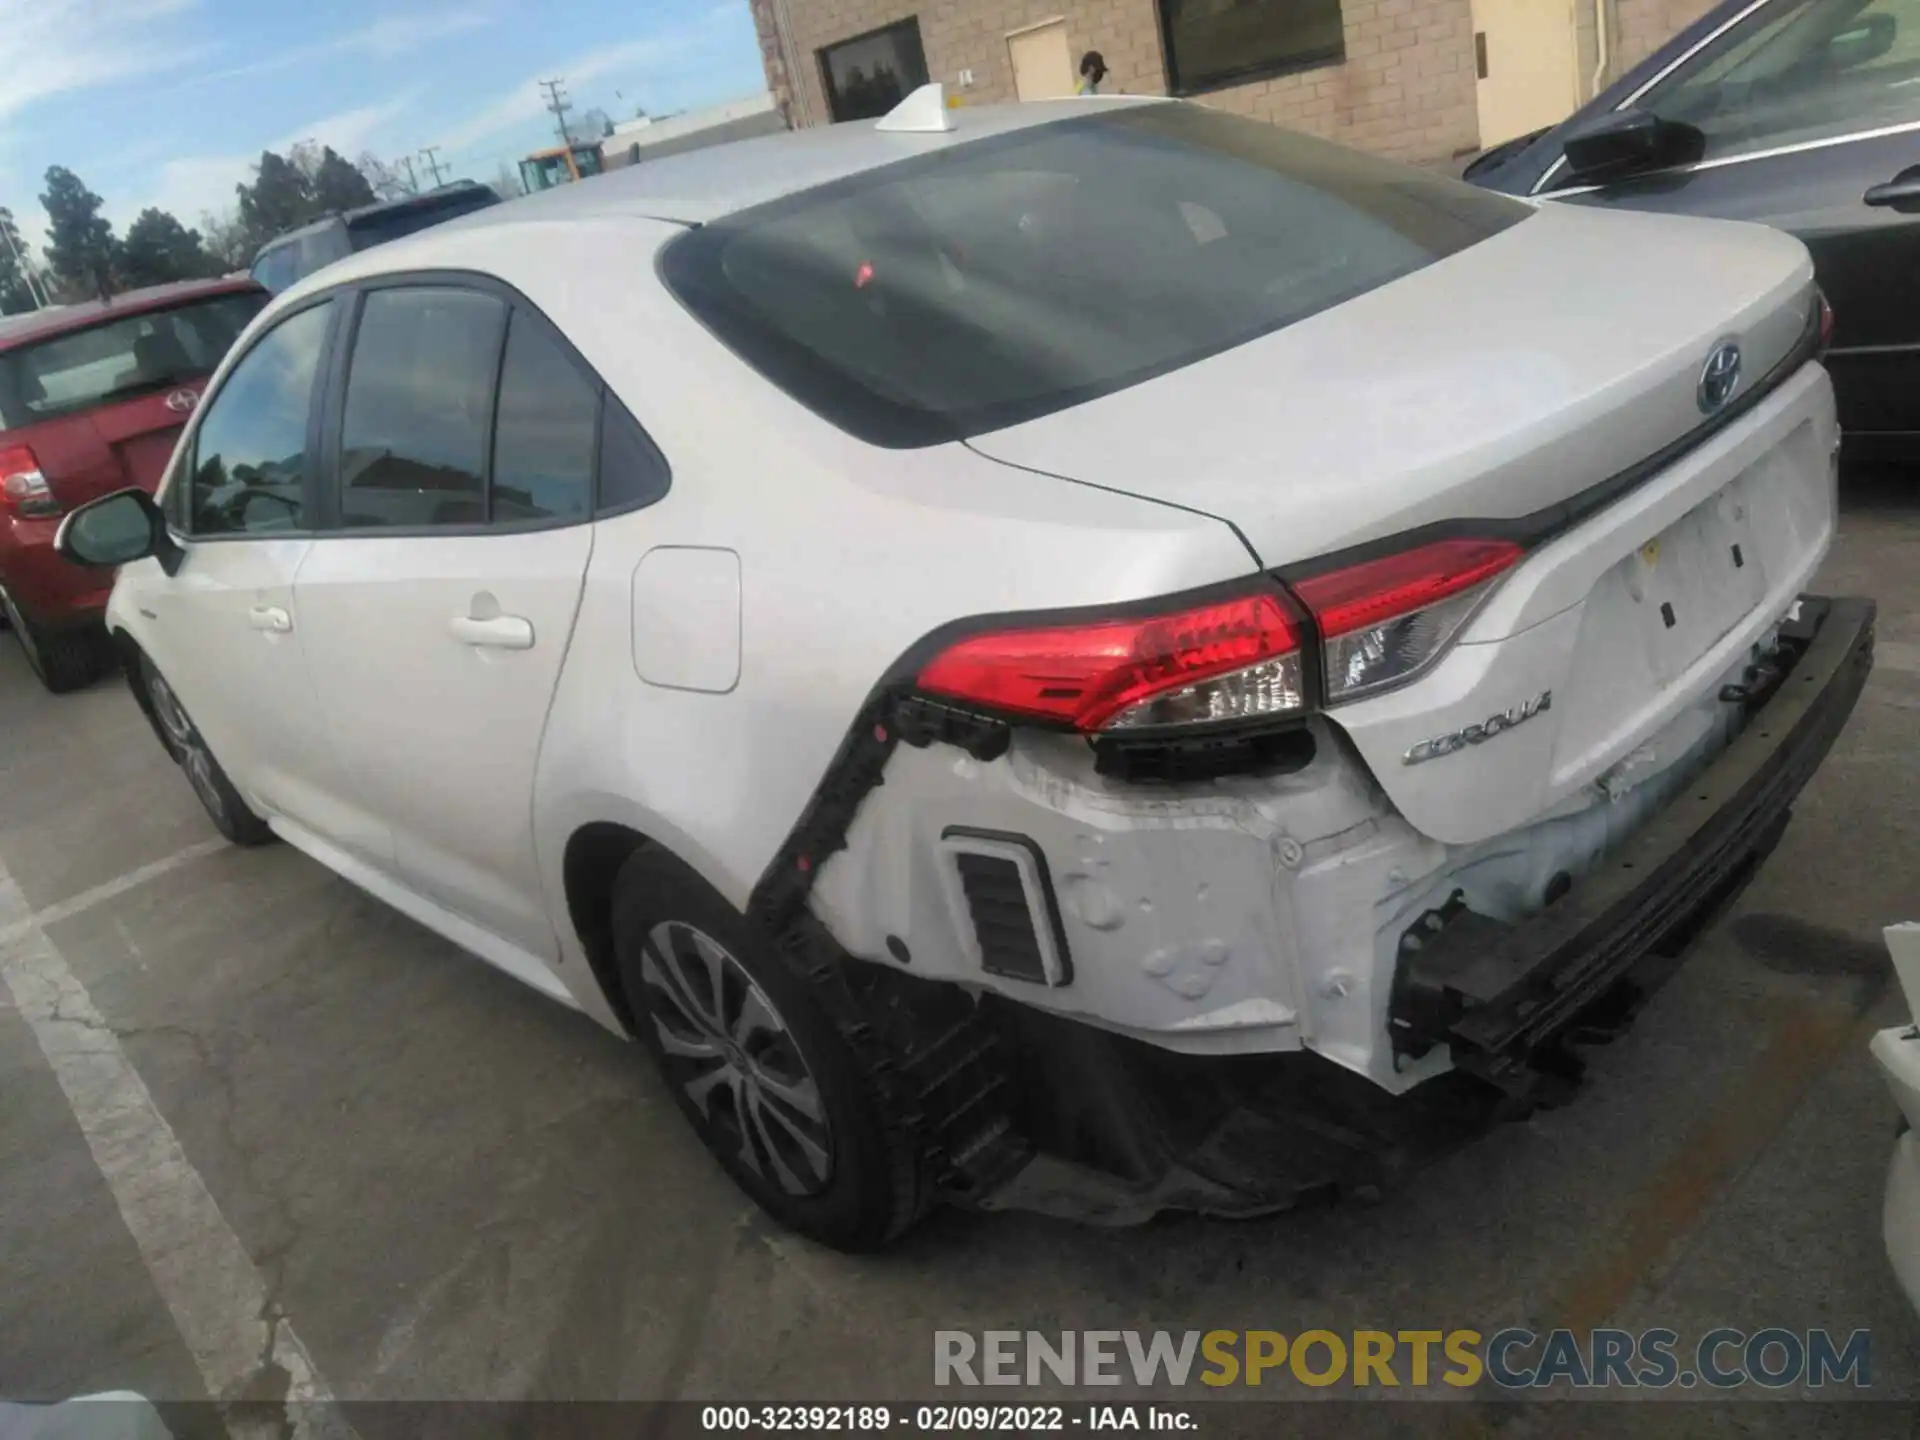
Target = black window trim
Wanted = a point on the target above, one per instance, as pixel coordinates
(518, 305)
(1249, 75)
(181, 484)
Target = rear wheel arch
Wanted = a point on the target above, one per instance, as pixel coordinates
(589, 868)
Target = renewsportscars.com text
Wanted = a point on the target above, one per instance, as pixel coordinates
(1516, 1359)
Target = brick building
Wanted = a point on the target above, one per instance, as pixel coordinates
(1400, 77)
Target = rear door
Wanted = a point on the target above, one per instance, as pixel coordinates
(438, 609)
(102, 408)
(1811, 113)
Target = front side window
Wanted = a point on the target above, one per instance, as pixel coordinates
(413, 444)
(867, 76)
(1798, 70)
(120, 359)
(249, 465)
(1002, 280)
(1211, 43)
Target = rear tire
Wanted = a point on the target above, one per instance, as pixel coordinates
(231, 815)
(62, 660)
(753, 1060)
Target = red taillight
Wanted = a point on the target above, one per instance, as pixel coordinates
(1826, 321)
(1235, 659)
(1384, 620)
(23, 489)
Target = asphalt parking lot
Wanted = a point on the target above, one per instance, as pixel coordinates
(259, 1130)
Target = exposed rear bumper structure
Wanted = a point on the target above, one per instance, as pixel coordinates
(1015, 1107)
(1499, 995)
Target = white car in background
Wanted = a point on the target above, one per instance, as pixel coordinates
(1898, 1051)
(1090, 654)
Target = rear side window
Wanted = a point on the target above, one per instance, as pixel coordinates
(250, 451)
(413, 445)
(120, 359)
(545, 437)
(998, 281)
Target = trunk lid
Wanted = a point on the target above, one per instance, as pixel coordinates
(1494, 384)
(1550, 375)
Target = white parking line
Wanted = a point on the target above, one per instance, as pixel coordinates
(220, 1304)
(119, 885)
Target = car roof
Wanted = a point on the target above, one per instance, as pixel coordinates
(59, 319)
(698, 186)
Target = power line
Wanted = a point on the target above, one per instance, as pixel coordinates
(427, 154)
(557, 103)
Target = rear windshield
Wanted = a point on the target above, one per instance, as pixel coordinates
(995, 282)
(384, 225)
(118, 359)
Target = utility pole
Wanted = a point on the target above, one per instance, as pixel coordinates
(557, 103)
(427, 155)
(413, 181)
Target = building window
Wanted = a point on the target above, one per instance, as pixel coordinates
(1215, 43)
(867, 76)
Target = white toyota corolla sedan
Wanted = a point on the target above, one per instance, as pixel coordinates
(1092, 655)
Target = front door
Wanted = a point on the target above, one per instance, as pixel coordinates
(223, 631)
(438, 612)
(1527, 67)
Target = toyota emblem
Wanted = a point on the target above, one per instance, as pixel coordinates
(181, 401)
(1720, 377)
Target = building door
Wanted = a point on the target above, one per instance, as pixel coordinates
(1527, 59)
(1042, 64)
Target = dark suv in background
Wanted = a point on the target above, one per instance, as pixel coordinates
(298, 253)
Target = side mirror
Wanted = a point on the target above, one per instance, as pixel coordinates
(117, 529)
(1623, 143)
(1868, 40)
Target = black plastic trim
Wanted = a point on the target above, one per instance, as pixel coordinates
(1048, 898)
(1498, 995)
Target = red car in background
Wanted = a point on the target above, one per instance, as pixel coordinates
(92, 398)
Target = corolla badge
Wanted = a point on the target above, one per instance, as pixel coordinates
(181, 401)
(1493, 725)
(1719, 377)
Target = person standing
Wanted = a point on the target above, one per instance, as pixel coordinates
(1093, 69)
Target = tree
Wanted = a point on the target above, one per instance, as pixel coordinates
(228, 245)
(389, 182)
(506, 182)
(16, 287)
(593, 125)
(337, 185)
(279, 199)
(159, 249)
(81, 247)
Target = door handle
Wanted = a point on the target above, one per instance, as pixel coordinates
(1897, 191)
(270, 618)
(502, 632)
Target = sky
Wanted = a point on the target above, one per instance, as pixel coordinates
(169, 102)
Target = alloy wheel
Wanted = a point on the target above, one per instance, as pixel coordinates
(732, 1054)
(194, 756)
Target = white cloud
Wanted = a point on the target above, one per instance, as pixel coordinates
(384, 39)
(53, 47)
(526, 101)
